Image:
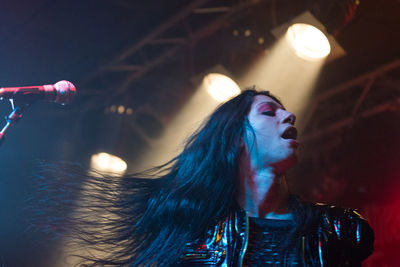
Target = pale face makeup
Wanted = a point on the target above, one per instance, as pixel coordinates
(275, 136)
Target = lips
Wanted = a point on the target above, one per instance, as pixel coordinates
(290, 133)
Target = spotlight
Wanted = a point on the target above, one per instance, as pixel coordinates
(220, 86)
(309, 38)
(308, 42)
(247, 32)
(129, 111)
(108, 164)
(121, 109)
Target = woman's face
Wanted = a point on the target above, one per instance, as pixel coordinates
(275, 135)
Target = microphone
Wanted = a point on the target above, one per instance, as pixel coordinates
(62, 92)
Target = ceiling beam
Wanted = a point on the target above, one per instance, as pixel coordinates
(366, 81)
(194, 37)
(157, 37)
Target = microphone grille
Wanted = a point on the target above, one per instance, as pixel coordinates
(65, 92)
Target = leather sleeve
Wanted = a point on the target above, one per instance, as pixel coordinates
(353, 233)
(361, 234)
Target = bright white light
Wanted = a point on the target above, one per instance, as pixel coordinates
(308, 42)
(220, 86)
(108, 164)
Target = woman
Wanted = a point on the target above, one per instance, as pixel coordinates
(223, 201)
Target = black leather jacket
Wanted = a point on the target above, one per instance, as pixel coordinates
(342, 237)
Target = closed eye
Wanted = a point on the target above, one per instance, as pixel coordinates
(268, 113)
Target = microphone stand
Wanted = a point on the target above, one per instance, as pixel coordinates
(13, 117)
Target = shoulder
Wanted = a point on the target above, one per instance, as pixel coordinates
(349, 227)
(336, 212)
(334, 215)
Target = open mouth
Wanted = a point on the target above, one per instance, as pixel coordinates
(290, 133)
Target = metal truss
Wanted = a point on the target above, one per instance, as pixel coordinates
(164, 46)
(383, 77)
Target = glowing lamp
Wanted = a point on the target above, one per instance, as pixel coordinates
(308, 42)
(108, 164)
(121, 109)
(220, 86)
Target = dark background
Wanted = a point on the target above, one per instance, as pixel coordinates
(348, 157)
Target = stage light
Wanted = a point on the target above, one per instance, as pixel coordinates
(304, 40)
(108, 164)
(308, 42)
(121, 109)
(129, 111)
(220, 86)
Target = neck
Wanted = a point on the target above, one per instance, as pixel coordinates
(262, 192)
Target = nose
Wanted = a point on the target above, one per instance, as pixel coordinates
(289, 118)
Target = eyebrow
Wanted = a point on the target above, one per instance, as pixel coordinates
(271, 104)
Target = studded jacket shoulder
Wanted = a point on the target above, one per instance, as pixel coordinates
(340, 237)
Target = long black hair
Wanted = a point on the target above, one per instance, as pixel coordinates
(146, 219)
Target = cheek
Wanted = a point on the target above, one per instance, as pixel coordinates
(264, 140)
(265, 129)
(258, 123)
